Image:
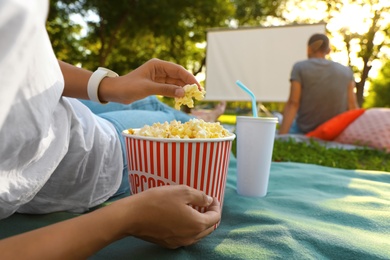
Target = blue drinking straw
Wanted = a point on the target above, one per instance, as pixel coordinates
(254, 106)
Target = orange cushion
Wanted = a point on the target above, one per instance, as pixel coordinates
(334, 126)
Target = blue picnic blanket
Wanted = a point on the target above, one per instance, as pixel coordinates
(310, 212)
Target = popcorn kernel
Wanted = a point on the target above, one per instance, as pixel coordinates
(194, 128)
(190, 92)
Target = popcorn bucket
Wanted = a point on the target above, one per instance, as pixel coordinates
(199, 163)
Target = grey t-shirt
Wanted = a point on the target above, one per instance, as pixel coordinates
(324, 91)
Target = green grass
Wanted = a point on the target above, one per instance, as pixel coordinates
(227, 119)
(314, 153)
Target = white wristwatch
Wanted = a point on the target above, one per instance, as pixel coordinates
(94, 82)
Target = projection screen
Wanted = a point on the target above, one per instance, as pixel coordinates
(260, 57)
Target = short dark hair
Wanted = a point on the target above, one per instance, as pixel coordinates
(319, 42)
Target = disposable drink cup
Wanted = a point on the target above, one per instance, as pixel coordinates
(255, 142)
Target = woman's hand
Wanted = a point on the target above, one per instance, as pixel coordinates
(155, 77)
(160, 215)
(164, 216)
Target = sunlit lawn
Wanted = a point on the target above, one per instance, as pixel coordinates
(227, 119)
(292, 151)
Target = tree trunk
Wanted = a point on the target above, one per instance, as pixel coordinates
(359, 92)
(360, 85)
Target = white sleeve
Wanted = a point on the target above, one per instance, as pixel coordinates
(19, 21)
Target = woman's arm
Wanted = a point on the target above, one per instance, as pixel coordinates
(76, 80)
(159, 215)
(291, 107)
(155, 77)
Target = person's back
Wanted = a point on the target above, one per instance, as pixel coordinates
(324, 92)
(320, 89)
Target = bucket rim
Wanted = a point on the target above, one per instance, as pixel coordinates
(125, 133)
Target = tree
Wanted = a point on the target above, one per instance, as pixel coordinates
(361, 45)
(126, 34)
(63, 32)
(254, 13)
(371, 41)
(379, 93)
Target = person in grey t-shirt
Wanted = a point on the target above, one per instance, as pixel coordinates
(320, 90)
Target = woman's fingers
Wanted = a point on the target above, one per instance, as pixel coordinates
(171, 73)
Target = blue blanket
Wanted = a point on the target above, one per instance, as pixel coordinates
(310, 212)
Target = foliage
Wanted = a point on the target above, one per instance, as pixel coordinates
(360, 47)
(63, 33)
(254, 13)
(124, 35)
(314, 153)
(379, 93)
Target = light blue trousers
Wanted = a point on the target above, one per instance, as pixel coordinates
(294, 129)
(135, 115)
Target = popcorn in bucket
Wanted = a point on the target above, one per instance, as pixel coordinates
(179, 158)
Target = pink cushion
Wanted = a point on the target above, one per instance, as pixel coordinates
(330, 129)
(371, 129)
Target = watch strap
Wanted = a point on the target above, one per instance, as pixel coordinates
(94, 83)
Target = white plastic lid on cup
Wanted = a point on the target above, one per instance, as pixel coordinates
(264, 119)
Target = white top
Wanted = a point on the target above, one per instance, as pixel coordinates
(54, 153)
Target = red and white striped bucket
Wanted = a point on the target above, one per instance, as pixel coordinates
(198, 163)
